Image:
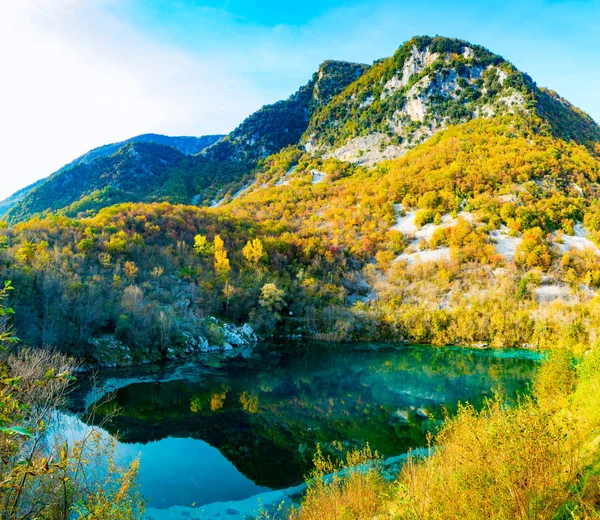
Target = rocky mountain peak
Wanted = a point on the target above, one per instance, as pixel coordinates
(427, 85)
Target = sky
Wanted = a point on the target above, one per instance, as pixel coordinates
(77, 74)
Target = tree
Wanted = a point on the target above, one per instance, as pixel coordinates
(47, 476)
(533, 250)
(271, 298)
(201, 245)
(222, 266)
(254, 252)
(131, 270)
(6, 334)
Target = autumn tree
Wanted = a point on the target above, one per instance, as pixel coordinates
(254, 252)
(533, 250)
(221, 263)
(271, 297)
(201, 245)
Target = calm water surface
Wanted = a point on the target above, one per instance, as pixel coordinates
(227, 429)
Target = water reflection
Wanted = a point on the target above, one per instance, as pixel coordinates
(263, 416)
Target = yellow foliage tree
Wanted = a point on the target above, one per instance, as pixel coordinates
(222, 266)
(254, 252)
(201, 245)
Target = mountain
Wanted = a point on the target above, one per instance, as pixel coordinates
(137, 172)
(352, 112)
(282, 124)
(426, 86)
(439, 197)
(184, 144)
(265, 132)
(16, 197)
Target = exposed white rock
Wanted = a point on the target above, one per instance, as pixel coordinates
(317, 176)
(432, 255)
(415, 64)
(285, 180)
(509, 197)
(241, 191)
(577, 241)
(551, 292)
(504, 244)
(367, 149)
(109, 352)
(238, 336)
(406, 224)
(415, 108)
(366, 102)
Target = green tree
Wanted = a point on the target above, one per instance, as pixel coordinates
(201, 245)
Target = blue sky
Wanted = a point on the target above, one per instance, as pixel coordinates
(82, 73)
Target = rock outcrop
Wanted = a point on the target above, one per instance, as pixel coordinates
(107, 351)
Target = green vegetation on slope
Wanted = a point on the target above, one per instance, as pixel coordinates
(328, 252)
(138, 172)
(281, 124)
(184, 144)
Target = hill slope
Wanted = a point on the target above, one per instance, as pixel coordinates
(282, 124)
(137, 172)
(487, 232)
(426, 86)
(184, 144)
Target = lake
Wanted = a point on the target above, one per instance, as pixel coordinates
(225, 430)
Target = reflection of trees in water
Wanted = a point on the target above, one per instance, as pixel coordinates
(249, 402)
(282, 406)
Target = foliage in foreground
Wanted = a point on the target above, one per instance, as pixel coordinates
(43, 474)
(538, 458)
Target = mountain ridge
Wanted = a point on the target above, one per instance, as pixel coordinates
(186, 145)
(355, 113)
(282, 124)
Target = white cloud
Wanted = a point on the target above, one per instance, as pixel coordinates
(76, 77)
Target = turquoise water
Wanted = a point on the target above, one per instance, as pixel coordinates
(227, 429)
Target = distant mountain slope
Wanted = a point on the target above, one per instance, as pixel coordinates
(281, 124)
(137, 172)
(16, 197)
(350, 112)
(185, 144)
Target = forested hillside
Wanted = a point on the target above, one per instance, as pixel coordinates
(499, 209)
(438, 196)
(27, 206)
(137, 172)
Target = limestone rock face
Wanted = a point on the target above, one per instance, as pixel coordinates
(428, 85)
(109, 352)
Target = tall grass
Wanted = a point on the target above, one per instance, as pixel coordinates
(533, 459)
